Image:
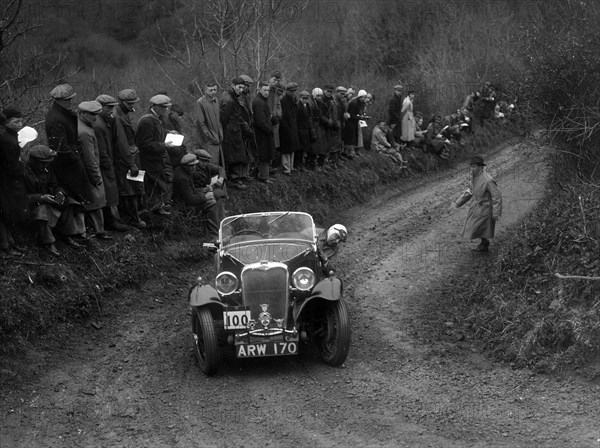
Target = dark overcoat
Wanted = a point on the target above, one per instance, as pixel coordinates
(91, 160)
(61, 133)
(306, 130)
(263, 129)
(288, 126)
(104, 131)
(350, 134)
(319, 145)
(14, 204)
(150, 139)
(126, 155)
(235, 128)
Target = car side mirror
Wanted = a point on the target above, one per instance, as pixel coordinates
(211, 247)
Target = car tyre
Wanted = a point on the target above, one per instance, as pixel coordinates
(205, 340)
(334, 343)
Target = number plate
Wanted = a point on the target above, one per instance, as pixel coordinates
(236, 318)
(266, 349)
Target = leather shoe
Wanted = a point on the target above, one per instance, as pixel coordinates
(266, 181)
(71, 242)
(51, 249)
(162, 212)
(239, 185)
(139, 224)
(119, 227)
(104, 236)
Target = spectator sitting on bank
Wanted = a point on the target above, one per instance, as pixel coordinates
(435, 141)
(208, 174)
(420, 133)
(50, 207)
(200, 200)
(380, 143)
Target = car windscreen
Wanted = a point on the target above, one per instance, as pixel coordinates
(267, 226)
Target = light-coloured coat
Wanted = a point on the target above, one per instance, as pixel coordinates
(486, 203)
(91, 161)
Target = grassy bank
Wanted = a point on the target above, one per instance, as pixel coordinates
(40, 293)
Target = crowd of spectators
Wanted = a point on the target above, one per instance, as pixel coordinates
(99, 170)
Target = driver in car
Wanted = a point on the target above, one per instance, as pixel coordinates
(328, 245)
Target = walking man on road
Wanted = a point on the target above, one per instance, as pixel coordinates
(485, 208)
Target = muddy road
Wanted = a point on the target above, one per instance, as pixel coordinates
(134, 382)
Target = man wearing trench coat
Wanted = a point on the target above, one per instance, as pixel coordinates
(486, 207)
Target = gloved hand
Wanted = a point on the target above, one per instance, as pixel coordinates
(48, 199)
(134, 171)
(274, 120)
(495, 217)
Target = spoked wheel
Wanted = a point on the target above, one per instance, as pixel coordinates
(205, 340)
(334, 342)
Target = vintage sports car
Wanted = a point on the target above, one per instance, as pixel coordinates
(274, 291)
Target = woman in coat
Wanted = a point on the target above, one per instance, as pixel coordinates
(486, 207)
(13, 195)
(408, 120)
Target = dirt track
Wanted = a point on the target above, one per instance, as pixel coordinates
(135, 383)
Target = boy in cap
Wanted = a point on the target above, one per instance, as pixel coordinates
(126, 157)
(87, 114)
(486, 208)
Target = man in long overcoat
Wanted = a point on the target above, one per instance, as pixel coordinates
(263, 131)
(355, 111)
(127, 160)
(209, 129)
(288, 128)
(61, 132)
(235, 129)
(486, 207)
(87, 115)
(105, 130)
(394, 112)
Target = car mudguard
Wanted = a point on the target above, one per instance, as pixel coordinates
(204, 295)
(329, 289)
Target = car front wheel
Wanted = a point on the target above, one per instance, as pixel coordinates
(205, 340)
(334, 342)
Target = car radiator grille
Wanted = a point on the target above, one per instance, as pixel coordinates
(266, 285)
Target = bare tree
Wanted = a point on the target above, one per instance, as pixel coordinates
(223, 38)
(27, 72)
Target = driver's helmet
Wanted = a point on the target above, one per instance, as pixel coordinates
(336, 233)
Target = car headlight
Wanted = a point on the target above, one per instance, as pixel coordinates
(226, 283)
(303, 279)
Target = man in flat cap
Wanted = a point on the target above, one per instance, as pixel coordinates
(50, 207)
(306, 131)
(333, 127)
(106, 135)
(394, 112)
(486, 207)
(61, 132)
(127, 160)
(250, 141)
(87, 114)
(209, 129)
(274, 100)
(263, 131)
(202, 200)
(154, 156)
(208, 174)
(235, 130)
(288, 129)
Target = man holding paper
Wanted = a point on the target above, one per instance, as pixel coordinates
(150, 139)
